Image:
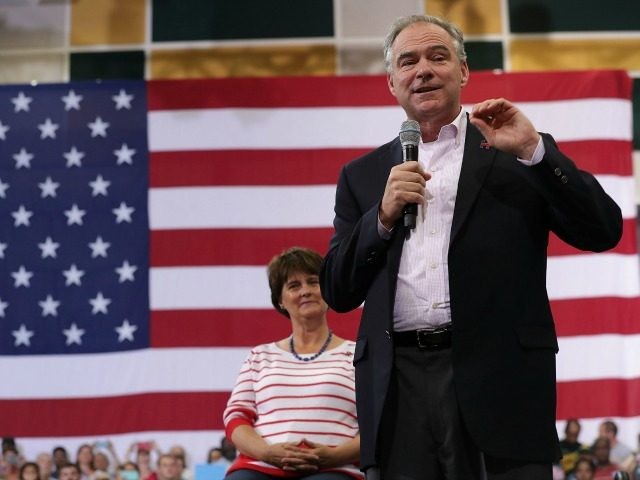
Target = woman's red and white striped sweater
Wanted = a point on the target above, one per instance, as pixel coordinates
(286, 400)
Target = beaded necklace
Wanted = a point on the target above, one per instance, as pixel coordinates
(315, 355)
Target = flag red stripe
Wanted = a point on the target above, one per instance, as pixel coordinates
(249, 167)
(589, 316)
(368, 90)
(193, 410)
(112, 415)
(593, 316)
(322, 166)
(257, 246)
(598, 398)
(230, 246)
(211, 328)
(627, 245)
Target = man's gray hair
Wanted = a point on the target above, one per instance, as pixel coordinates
(403, 22)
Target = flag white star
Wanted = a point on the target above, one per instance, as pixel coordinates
(74, 157)
(3, 247)
(123, 213)
(48, 129)
(126, 272)
(22, 277)
(71, 101)
(99, 304)
(99, 186)
(73, 334)
(74, 215)
(23, 159)
(3, 307)
(49, 306)
(73, 275)
(49, 248)
(99, 248)
(21, 102)
(126, 331)
(98, 128)
(23, 336)
(125, 154)
(123, 100)
(3, 189)
(48, 188)
(21, 216)
(3, 131)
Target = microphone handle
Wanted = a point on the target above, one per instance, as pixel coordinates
(410, 211)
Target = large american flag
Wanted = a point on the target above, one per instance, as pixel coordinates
(136, 220)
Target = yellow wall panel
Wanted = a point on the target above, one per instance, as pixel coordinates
(107, 22)
(553, 54)
(244, 62)
(474, 17)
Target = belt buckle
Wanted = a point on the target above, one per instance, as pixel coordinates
(423, 333)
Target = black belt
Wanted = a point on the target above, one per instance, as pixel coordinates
(425, 338)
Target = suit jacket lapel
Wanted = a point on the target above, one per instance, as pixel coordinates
(476, 163)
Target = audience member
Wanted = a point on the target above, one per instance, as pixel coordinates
(584, 469)
(45, 464)
(167, 468)
(29, 471)
(228, 449)
(601, 453)
(11, 461)
(143, 451)
(60, 458)
(180, 455)
(620, 453)
(570, 446)
(84, 460)
(215, 457)
(69, 471)
(128, 471)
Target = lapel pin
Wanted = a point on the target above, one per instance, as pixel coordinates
(485, 145)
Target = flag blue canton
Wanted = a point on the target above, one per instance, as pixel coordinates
(74, 228)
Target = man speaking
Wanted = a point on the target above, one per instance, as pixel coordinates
(455, 355)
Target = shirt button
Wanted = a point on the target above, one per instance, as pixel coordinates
(433, 232)
(433, 266)
(434, 305)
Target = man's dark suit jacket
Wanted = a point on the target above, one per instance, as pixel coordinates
(504, 340)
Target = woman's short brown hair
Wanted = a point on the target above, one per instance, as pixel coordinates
(292, 260)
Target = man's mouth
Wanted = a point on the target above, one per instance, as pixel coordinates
(425, 89)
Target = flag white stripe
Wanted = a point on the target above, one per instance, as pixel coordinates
(358, 127)
(185, 288)
(162, 370)
(272, 206)
(598, 275)
(111, 374)
(576, 359)
(238, 207)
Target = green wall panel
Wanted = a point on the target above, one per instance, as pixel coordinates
(177, 20)
(484, 55)
(107, 65)
(563, 16)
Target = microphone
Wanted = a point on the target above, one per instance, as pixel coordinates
(410, 138)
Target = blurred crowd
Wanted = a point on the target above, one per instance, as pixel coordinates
(606, 458)
(100, 461)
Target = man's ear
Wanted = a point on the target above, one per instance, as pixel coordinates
(390, 84)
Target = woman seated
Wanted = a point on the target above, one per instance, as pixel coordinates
(292, 412)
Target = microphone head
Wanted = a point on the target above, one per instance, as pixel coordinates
(410, 133)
